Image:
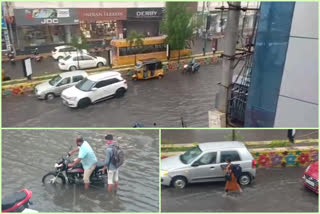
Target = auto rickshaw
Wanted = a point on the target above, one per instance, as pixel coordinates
(147, 69)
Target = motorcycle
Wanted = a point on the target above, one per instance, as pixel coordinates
(11, 57)
(36, 56)
(191, 67)
(63, 174)
(18, 202)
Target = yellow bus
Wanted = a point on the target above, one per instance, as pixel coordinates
(153, 47)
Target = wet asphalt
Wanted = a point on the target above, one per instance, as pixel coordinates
(274, 190)
(163, 102)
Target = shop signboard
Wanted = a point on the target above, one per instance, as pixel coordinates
(101, 14)
(3, 23)
(145, 13)
(45, 16)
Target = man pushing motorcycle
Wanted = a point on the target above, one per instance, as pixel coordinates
(87, 157)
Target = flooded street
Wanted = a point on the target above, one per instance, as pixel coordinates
(152, 101)
(27, 155)
(274, 190)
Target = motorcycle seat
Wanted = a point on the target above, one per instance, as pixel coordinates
(100, 165)
(10, 200)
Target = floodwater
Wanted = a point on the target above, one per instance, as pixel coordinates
(27, 155)
(163, 102)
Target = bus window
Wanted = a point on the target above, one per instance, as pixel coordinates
(123, 51)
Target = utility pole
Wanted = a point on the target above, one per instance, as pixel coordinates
(218, 116)
(203, 36)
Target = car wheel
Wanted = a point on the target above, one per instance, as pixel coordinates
(73, 68)
(85, 102)
(120, 92)
(50, 96)
(179, 182)
(244, 179)
(100, 64)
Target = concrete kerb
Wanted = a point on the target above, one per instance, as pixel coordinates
(20, 86)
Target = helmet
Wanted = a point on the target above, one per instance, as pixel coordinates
(108, 137)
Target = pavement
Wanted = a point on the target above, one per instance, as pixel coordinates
(274, 190)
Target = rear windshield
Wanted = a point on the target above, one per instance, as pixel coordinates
(67, 57)
(190, 155)
(54, 50)
(85, 85)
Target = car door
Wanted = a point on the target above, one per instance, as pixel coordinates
(233, 155)
(78, 62)
(205, 168)
(88, 62)
(101, 90)
(63, 84)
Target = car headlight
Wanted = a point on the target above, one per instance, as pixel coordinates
(163, 172)
(185, 66)
(72, 98)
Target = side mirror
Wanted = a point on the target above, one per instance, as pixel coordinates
(94, 89)
(195, 164)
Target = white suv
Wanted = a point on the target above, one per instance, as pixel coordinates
(95, 88)
(61, 52)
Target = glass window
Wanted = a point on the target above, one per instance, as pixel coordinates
(190, 155)
(85, 85)
(87, 58)
(77, 58)
(209, 158)
(232, 155)
(105, 83)
(77, 78)
(65, 81)
(55, 80)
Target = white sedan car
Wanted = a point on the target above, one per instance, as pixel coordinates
(61, 52)
(76, 62)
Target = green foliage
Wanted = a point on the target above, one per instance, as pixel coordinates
(80, 42)
(279, 143)
(177, 25)
(237, 136)
(135, 39)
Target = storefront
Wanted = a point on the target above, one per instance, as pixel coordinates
(98, 24)
(143, 20)
(43, 27)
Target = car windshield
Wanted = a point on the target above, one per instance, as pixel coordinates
(67, 57)
(190, 155)
(55, 80)
(85, 85)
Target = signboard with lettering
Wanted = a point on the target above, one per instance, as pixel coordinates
(46, 16)
(145, 13)
(101, 14)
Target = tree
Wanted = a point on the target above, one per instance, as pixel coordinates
(79, 42)
(177, 25)
(135, 39)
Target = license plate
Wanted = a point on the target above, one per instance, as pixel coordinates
(310, 183)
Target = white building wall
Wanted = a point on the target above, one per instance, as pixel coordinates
(298, 98)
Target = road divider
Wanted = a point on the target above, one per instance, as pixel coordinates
(298, 155)
(23, 86)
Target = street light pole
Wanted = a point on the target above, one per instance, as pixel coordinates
(230, 42)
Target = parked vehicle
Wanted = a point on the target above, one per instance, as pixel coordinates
(95, 88)
(52, 88)
(76, 61)
(63, 51)
(206, 163)
(63, 174)
(310, 177)
(17, 202)
(147, 69)
(11, 57)
(36, 55)
(191, 67)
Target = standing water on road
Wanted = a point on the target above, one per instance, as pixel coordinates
(27, 155)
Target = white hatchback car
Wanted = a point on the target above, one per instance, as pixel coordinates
(63, 51)
(51, 88)
(95, 88)
(76, 61)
